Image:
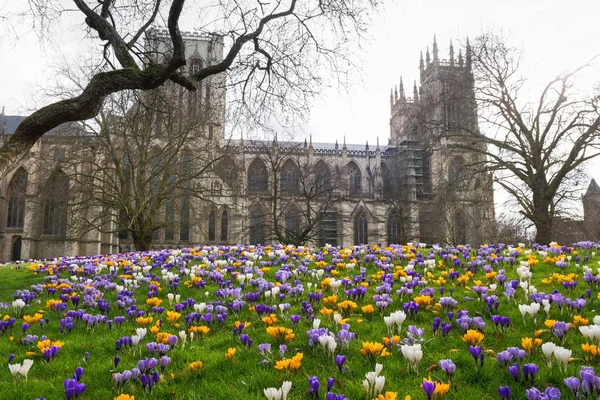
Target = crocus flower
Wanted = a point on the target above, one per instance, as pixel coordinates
(530, 370)
(429, 388)
(477, 354)
(73, 388)
(330, 383)
(78, 374)
(164, 361)
(314, 384)
(504, 392)
(573, 384)
(514, 370)
(339, 361)
(448, 367)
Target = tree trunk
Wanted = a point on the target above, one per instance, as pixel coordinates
(141, 241)
(543, 222)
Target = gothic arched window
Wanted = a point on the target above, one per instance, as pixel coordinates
(257, 225)
(292, 223)
(289, 180)
(55, 204)
(258, 177)
(355, 178)
(388, 182)
(16, 200)
(195, 98)
(170, 220)
(224, 225)
(322, 177)
(456, 170)
(361, 229)
(184, 219)
(212, 223)
(460, 228)
(395, 229)
(328, 228)
(227, 171)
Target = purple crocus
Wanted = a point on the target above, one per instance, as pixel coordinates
(264, 348)
(560, 329)
(514, 370)
(436, 324)
(429, 389)
(573, 384)
(339, 361)
(282, 349)
(504, 392)
(314, 384)
(116, 361)
(330, 383)
(477, 354)
(78, 374)
(530, 370)
(448, 367)
(164, 361)
(295, 319)
(533, 393)
(552, 393)
(73, 388)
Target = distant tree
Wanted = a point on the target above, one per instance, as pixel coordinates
(276, 53)
(134, 172)
(535, 149)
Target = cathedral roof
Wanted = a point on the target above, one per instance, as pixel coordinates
(13, 121)
(318, 147)
(593, 189)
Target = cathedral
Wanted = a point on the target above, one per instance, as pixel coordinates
(414, 188)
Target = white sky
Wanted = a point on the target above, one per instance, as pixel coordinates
(555, 35)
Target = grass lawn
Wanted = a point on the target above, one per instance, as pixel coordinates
(95, 306)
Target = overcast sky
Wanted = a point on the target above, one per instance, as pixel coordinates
(554, 35)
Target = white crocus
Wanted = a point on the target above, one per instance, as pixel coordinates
(413, 353)
(135, 339)
(546, 304)
(141, 332)
(285, 389)
(336, 318)
(183, 337)
(14, 368)
(18, 305)
(389, 323)
(171, 297)
(548, 349)
(316, 323)
(398, 317)
(273, 393)
(24, 370)
(562, 356)
(379, 382)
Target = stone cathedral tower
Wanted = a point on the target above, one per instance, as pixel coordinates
(442, 108)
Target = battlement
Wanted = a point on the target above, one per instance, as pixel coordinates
(155, 33)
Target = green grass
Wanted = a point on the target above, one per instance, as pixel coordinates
(13, 277)
(244, 377)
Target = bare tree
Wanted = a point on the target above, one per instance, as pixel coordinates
(134, 171)
(274, 55)
(535, 149)
(297, 192)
